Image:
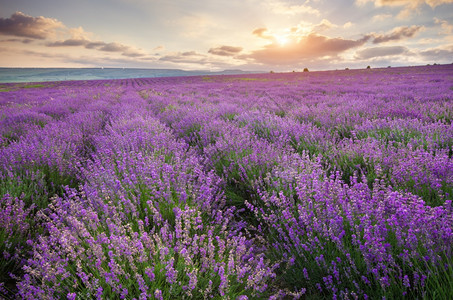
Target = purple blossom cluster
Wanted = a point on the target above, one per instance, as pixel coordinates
(323, 184)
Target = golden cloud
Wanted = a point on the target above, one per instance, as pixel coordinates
(310, 47)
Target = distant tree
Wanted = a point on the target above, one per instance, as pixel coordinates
(305, 69)
(368, 67)
(389, 66)
(346, 69)
(272, 72)
(294, 71)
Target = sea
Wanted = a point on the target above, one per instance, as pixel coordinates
(8, 75)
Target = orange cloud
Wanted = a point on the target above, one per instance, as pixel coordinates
(259, 32)
(310, 47)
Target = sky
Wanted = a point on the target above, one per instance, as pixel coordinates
(262, 35)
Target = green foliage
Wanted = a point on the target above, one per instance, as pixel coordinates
(431, 196)
(12, 247)
(16, 87)
(303, 145)
(37, 184)
(439, 282)
(229, 116)
(387, 135)
(33, 86)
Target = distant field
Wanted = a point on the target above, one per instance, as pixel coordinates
(319, 185)
(8, 75)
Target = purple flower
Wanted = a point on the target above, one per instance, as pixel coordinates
(71, 296)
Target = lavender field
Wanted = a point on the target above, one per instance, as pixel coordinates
(313, 185)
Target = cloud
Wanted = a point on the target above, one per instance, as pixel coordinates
(381, 51)
(381, 17)
(225, 50)
(133, 53)
(305, 28)
(408, 5)
(79, 33)
(310, 47)
(68, 43)
(259, 32)
(441, 54)
(413, 4)
(94, 45)
(190, 57)
(159, 48)
(348, 25)
(397, 34)
(44, 58)
(124, 49)
(22, 25)
(279, 7)
(114, 47)
(325, 25)
(447, 28)
(23, 41)
(42, 28)
(99, 45)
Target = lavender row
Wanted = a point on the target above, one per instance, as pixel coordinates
(329, 184)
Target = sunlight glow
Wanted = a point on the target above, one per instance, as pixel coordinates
(282, 40)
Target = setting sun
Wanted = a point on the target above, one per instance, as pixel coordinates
(282, 40)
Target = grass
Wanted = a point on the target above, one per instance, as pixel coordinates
(439, 282)
(17, 87)
(228, 116)
(431, 196)
(301, 146)
(33, 86)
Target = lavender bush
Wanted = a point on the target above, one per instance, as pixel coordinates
(335, 185)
